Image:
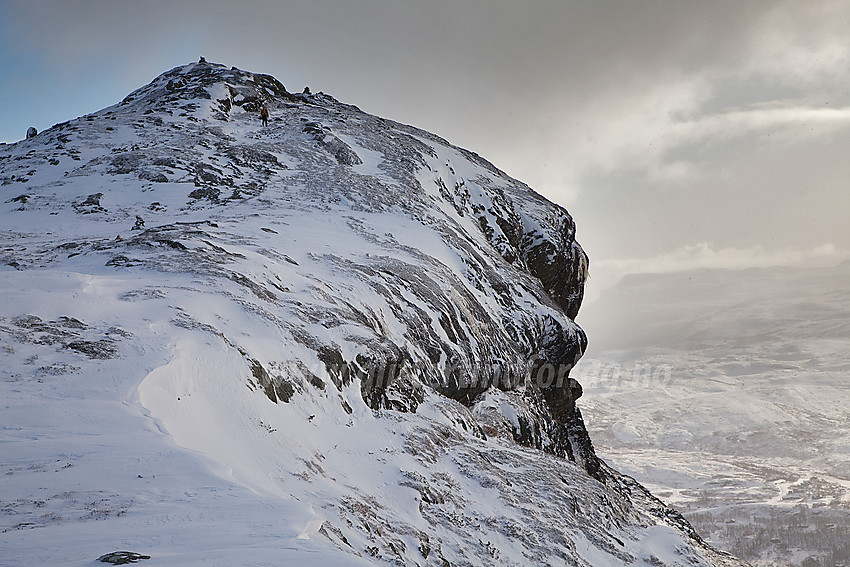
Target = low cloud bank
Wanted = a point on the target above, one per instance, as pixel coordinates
(607, 273)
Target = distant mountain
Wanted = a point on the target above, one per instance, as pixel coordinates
(332, 339)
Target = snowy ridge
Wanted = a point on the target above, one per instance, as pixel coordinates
(335, 337)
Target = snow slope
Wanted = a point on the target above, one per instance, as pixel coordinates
(318, 341)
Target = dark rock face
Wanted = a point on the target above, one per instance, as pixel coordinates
(538, 238)
(122, 557)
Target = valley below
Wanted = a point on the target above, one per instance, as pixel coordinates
(726, 393)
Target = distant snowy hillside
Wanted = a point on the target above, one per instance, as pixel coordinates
(334, 340)
(731, 403)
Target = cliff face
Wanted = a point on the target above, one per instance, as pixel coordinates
(336, 270)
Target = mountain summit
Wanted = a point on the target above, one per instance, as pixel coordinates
(332, 339)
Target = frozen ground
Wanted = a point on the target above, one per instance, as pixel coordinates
(727, 393)
(88, 471)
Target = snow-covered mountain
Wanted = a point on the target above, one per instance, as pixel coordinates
(334, 339)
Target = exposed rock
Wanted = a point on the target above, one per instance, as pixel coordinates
(90, 204)
(341, 151)
(154, 176)
(122, 557)
(276, 388)
(101, 349)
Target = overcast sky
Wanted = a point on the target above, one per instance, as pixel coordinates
(679, 134)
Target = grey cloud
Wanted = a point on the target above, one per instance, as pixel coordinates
(649, 120)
